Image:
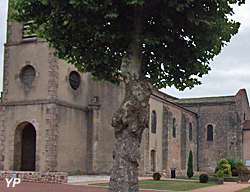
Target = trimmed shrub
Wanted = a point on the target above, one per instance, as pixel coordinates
(224, 169)
(203, 178)
(234, 166)
(157, 176)
(190, 171)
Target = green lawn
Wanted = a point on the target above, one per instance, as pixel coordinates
(169, 185)
(186, 177)
(246, 189)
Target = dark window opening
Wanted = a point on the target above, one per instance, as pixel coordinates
(153, 122)
(153, 161)
(210, 133)
(190, 132)
(28, 154)
(174, 127)
(74, 80)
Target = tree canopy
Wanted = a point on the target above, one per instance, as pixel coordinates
(177, 38)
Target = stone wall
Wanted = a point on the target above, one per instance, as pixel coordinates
(41, 177)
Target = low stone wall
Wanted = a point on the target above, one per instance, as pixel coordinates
(230, 179)
(226, 179)
(213, 179)
(167, 173)
(31, 176)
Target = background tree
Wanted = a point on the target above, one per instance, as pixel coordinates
(190, 170)
(143, 43)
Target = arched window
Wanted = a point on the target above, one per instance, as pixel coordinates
(28, 74)
(174, 127)
(210, 133)
(190, 132)
(153, 161)
(153, 122)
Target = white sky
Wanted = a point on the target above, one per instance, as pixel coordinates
(230, 70)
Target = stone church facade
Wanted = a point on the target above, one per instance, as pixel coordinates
(56, 119)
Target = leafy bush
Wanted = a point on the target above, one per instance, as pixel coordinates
(234, 166)
(190, 171)
(232, 162)
(224, 169)
(157, 176)
(203, 178)
(243, 169)
(239, 163)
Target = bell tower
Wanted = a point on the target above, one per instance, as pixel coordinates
(46, 93)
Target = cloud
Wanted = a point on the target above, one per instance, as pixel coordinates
(231, 68)
(242, 15)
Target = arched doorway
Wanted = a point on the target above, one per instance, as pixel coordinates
(25, 147)
(153, 161)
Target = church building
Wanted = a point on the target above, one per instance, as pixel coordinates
(55, 119)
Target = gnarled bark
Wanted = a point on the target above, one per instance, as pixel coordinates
(129, 122)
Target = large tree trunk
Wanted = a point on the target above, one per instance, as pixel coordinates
(129, 122)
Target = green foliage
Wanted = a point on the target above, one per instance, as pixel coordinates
(224, 169)
(239, 163)
(234, 166)
(243, 169)
(178, 38)
(203, 178)
(190, 171)
(232, 162)
(157, 176)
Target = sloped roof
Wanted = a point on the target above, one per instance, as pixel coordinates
(223, 99)
(164, 95)
(241, 92)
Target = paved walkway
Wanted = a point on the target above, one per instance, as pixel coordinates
(80, 184)
(226, 187)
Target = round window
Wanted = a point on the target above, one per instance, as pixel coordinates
(74, 80)
(28, 75)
